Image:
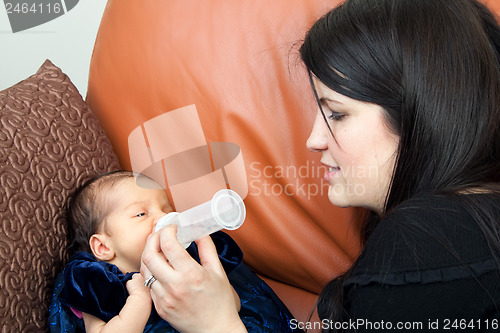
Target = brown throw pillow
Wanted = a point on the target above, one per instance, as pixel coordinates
(50, 142)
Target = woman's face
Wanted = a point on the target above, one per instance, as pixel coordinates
(360, 156)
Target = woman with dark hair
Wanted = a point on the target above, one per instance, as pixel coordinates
(408, 126)
(412, 89)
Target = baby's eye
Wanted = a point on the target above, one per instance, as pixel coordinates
(141, 214)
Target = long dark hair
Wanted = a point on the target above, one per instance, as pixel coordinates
(434, 67)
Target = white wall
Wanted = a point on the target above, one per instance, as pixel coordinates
(67, 41)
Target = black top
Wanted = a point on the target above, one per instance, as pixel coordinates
(426, 267)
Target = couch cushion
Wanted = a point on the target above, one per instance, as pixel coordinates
(494, 5)
(50, 142)
(238, 62)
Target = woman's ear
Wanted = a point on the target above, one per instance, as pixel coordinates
(99, 244)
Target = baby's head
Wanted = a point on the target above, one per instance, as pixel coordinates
(111, 217)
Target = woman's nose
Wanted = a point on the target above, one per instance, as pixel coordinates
(318, 139)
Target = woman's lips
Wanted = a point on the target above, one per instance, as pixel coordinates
(331, 172)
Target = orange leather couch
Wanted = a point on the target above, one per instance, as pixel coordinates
(238, 62)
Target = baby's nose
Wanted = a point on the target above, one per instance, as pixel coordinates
(157, 218)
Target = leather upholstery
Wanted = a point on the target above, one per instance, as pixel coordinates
(237, 61)
(494, 5)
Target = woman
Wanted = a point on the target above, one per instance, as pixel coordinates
(409, 127)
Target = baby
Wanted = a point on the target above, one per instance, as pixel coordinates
(109, 220)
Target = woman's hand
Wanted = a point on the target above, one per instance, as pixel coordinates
(190, 296)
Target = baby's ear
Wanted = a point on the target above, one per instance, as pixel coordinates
(99, 244)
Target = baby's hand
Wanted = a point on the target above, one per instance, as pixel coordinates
(136, 287)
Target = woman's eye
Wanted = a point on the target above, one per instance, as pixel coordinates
(336, 116)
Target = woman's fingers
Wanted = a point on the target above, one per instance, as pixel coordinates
(185, 289)
(153, 260)
(208, 254)
(175, 253)
(163, 245)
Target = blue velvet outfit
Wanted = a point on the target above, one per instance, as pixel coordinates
(98, 288)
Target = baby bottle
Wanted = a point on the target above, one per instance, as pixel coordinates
(226, 210)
